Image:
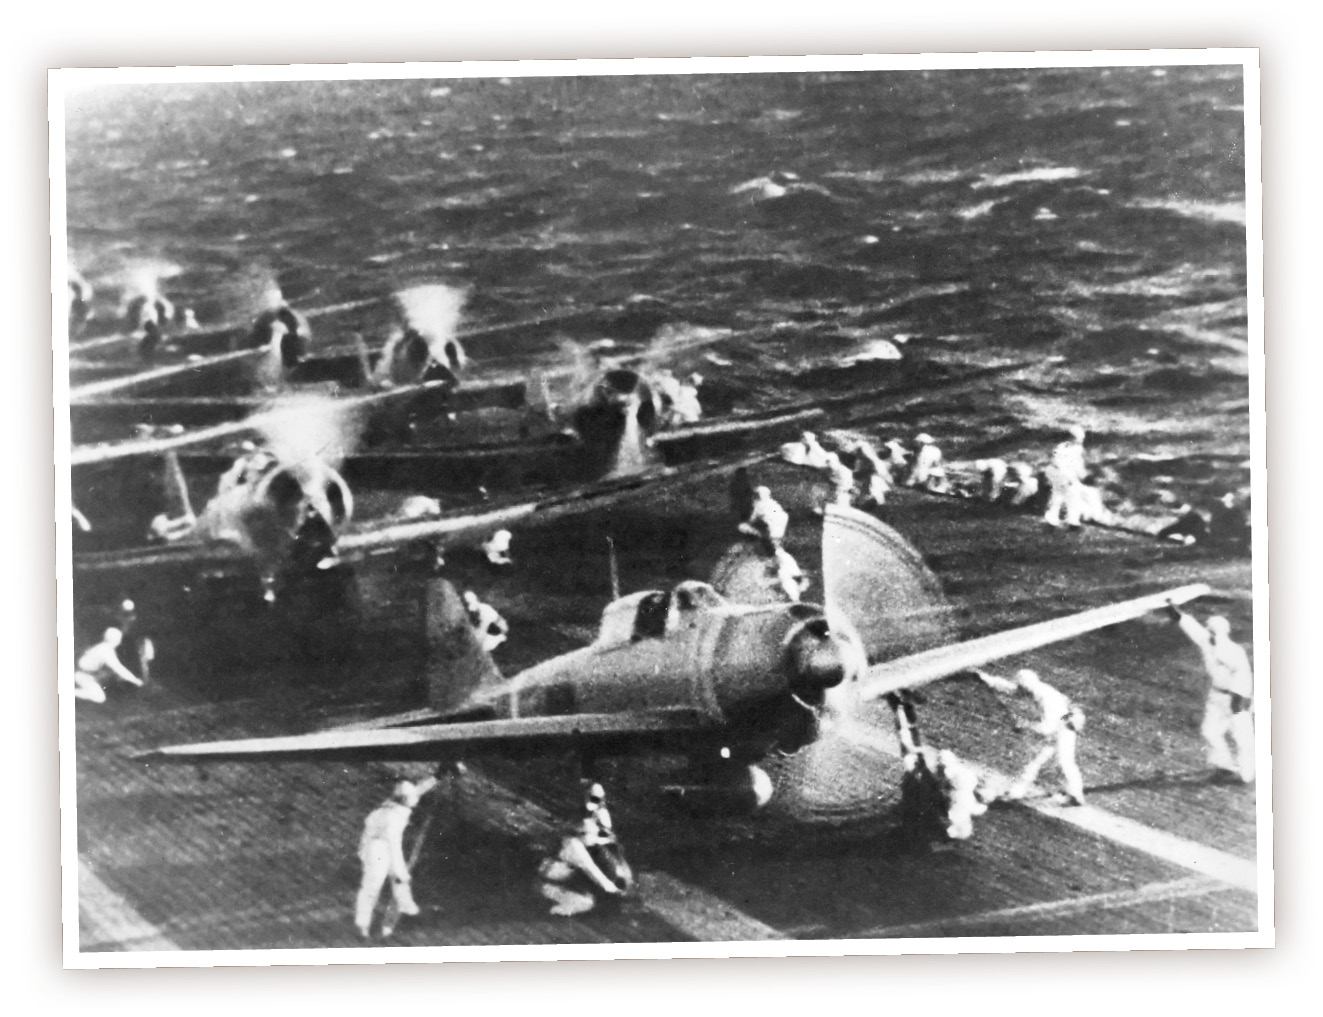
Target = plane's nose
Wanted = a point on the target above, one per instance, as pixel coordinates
(820, 659)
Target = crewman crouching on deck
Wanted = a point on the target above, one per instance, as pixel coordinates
(488, 625)
(1024, 484)
(789, 576)
(767, 520)
(992, 474)
(573, 877)
(381, 850)
(1228, 725)
(98, 663)
(962, 781)
(1059, 730)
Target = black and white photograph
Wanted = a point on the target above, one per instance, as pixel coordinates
(661, 508)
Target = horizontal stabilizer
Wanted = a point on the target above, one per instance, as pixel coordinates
(943, 661)
(437, 742)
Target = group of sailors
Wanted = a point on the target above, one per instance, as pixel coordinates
(1064, 490)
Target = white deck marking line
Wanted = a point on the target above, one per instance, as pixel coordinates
(1175, 889)
(698, 913)
(1200, 858)
(106, 919)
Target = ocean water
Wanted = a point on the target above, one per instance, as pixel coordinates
(1086, 223)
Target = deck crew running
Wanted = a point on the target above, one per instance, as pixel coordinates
(1059, 730)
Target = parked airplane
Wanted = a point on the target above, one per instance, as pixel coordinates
(690, 671)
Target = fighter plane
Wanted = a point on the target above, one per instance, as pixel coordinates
(727, 683)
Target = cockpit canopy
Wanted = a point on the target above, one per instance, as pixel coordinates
(653, 614)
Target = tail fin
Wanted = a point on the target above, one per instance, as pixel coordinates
(457, 665)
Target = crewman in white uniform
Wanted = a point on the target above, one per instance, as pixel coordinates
(874, 473)
(497, 548)
(569, 878)
(381, 850)
(993, 474)
(685, 407)
(962, 782)
(1228, 725)
(594, 808)
(927, 471)
(1065, 475)
(488, 625)
(1059, 729)
(768, 520)
(1025, 482)
(842, 481)
(815, 456)
(789, 575)
(98, 663)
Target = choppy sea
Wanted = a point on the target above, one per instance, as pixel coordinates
(1088, 223)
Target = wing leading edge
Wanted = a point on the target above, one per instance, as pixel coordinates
(943, 661)
(444, 741)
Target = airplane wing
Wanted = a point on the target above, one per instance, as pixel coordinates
(213, 555)
(455, 529)
(444, 741)
(83, 455)
(943, 661)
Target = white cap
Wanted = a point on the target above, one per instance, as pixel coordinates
(406, 794)
(763, 492)
(127, 606)
(924, 439)
(596, 794)
(1027, 678)
(1218, 625)
(499, 541)
(1077, 432)
(113, 636)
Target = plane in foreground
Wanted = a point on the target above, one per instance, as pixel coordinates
(728, 684)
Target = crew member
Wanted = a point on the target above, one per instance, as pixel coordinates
(685, 407)
(594, 808)
(1228, 524)
(1065, 476)
(98, 663)
(927, 471)
(961, 780)
(1059, 729)
(874, 475)
(497, 548)
(924, 803)
(842, 481)
(488, 625)
(1190, 526)
(1025, 484)
(789, 576)
(767, 520)
(815, 456)
(993, 473)
(381, 850)
(139, 648)
(572, 878)
(1228, 725)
